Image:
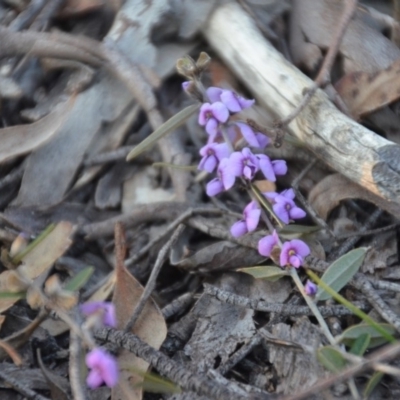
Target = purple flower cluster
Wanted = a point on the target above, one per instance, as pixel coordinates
(229, 164)
(103, 366)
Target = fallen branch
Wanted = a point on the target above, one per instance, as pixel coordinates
(346, 146)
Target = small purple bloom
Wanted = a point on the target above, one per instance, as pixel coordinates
(244, 163)
(310, 288)
(254, 139)
(103, 368)
(212, 154)
(267, 243)
(293, 253)
(105, 309)
(286, 209)
(251, 218)
(211, 115)
(224, 181)
(271, 168)
(232, 101)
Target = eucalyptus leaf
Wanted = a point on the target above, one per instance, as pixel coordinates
(79, 279)
(341, 272)
(361, 344)
(372, 384)
(350, 335)
(267, 272)
(331, 358)
(174, 122)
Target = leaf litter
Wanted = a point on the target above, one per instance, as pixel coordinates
(94, 80)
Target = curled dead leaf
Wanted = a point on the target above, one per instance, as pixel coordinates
(365, 92)
(328, 193)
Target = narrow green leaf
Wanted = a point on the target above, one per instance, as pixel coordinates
(12, 295)
(167, 127)
(154, 383)
(79, 279)
(267, 272)
(18, 257)
(361, 344)
(351, 335)
(340, 299)
(175, 166)
(294, 228)
(341, 272)
(331, 358)
(372, 384)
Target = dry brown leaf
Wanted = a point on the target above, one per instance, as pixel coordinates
(21, 139)
(39, 259)
(364, 92)
(150, 327)
(328, 193)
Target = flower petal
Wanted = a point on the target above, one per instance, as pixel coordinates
(208, 163)
(295, 261)
(263, 140)
(214, 94)
(279, 167)
(230, 100)
(220, 112)
(300, 247)
(94, 379)
(281, 212)
(297, 213)
(205, 109)
(239, 229)
(214, 187)
(222, 151)
(245, 103)
(284, 256)
(252, 220)
(310, 288)
(248, 134)
(266, 167)
(212, 126)
(236, 163)
(266, 244)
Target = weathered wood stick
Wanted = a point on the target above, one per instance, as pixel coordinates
(346, 146)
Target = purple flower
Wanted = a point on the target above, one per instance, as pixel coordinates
(271, 168)
(212, 154)
(251, 217)
(224, 181)
(293, 253)
(186, 85)
(285, 208)
(104, 309)
(211, 115)
(267, 243)
(254, 139)
(103, 367)
(244, 163)
(310, 288)
(232, 101)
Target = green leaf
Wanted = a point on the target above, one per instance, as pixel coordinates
(79, 279)
(267, 272)
(301, 229)
(361, 344)
(167, 127)
(341, 272)
(350, 335)
(18, 257)
(331, 358)
(372, 383)
(356, 311)
(155, 383)
(12, 295)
